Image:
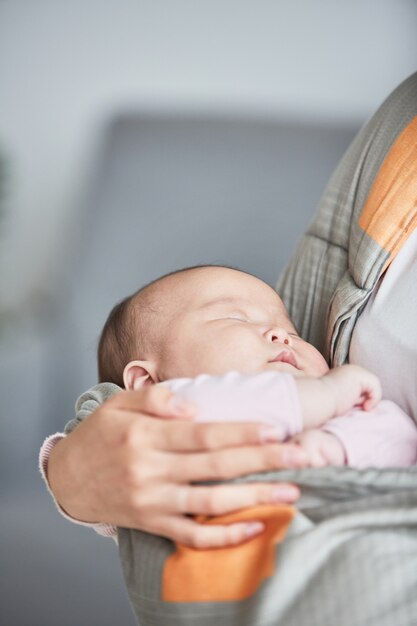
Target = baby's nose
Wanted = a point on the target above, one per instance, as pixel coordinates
(278, 335)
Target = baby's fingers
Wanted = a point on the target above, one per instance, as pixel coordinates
(372, 392)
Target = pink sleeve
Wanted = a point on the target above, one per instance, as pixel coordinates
(383, 437)
(106, 530)
(268, 397)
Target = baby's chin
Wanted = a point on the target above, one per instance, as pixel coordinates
(297, 372)
(279, 366)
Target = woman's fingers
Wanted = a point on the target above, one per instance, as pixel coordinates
(182, 434)
(234, 462)
(195, 535)
(154, 400)
(188, 436)
(215, 499)
(222, 499)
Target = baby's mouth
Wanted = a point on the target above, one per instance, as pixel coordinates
(285, 356)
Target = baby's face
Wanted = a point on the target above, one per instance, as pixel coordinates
(220, 320)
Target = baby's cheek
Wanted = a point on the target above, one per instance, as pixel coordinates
(322, 366)
(317, 363)
(207, 360)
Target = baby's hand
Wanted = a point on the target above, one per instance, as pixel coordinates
(321, 448)
(353, 386)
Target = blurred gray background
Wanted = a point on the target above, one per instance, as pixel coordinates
(135, 138)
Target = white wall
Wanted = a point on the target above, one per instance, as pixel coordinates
(66, 66)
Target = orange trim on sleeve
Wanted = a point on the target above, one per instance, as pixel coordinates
(231, 573)
(390, 212)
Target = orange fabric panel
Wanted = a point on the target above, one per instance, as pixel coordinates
(231, 573)
(390, 212)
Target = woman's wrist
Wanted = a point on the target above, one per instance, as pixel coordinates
(60, 485)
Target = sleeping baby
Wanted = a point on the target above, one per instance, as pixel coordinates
(222, 339)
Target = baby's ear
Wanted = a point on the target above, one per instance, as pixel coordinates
(137, 374)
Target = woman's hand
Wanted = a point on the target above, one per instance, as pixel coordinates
(124, 467)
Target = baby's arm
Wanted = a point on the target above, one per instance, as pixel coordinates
(268, 397)
(290, 404)
(277, 398)
(336, 393)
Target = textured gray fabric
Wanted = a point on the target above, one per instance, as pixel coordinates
(349, 559)
(89, 401)
(336, 265)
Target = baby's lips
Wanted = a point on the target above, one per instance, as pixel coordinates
(285, 356)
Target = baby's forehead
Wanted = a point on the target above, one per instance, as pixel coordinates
(219, 286)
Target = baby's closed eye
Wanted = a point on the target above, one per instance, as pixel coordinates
(239, 318)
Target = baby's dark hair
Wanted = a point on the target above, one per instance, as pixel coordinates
(127, 333)
(115, 343)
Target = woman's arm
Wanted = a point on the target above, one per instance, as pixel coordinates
(278, 399)
(126, 468)
(86, 404)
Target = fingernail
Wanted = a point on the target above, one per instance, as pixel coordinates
(271, 434)
(294, 458)
(254, 528)
(180, 406)
(284, 494)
